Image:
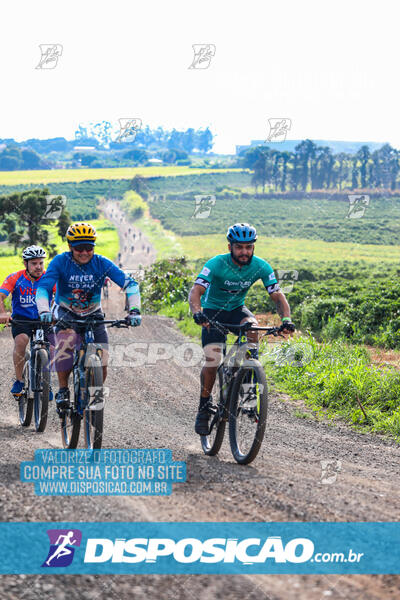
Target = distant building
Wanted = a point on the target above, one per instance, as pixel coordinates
(155, 161)
(80, 148)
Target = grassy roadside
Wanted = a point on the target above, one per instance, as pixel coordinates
(330, 378)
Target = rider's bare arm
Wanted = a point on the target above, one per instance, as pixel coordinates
(195, 295)
(4, 315)
(282, 305)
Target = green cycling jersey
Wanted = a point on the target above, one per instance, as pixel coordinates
(227, 283)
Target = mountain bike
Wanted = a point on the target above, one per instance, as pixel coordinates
(88, 402)
(241, 393)
(34, 399)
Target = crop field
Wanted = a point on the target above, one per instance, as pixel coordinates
(320, 220)
(63, 175)
(83, 196)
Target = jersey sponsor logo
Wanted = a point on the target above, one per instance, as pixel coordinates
(242, 284)
(272, 276)
(205, 271)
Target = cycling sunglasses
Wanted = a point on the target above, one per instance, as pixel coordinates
(84, 247)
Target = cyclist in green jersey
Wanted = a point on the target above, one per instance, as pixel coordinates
(219, 293)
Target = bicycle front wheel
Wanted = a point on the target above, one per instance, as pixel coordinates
(25, 402)
(248, 413)
(70, 428)
(42, 389)
(212, 442)
(94, 411)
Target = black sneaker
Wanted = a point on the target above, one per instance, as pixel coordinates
(201, 425)
(62, 399)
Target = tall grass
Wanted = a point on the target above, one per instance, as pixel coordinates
(333, 379)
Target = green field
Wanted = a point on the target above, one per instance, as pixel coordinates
(108, 245)
(61, 175)
(319, 219)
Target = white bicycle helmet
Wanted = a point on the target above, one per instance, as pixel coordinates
(33, 252)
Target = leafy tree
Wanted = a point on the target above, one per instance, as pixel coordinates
(24, 217)
(363, 156)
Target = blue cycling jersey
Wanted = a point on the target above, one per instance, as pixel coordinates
(79, 286)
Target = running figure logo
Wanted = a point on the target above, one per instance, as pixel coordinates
(128, 129)
(61, 550)
(278, 129)
(203, 54)
(50, 53)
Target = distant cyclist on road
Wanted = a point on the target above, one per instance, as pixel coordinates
(22, 285)
(220, 289)
(79, 275)
(107, 283)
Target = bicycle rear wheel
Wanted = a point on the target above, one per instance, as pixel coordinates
(212, 442)
(94, 411)
(248, 413)
(42, 389)
(25, 402)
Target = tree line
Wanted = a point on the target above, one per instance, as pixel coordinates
(317, 168)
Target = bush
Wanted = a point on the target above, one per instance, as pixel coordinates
(133, 204)
(166, 282)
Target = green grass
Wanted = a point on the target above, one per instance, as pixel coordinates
(331, 377)
(282, 251)
(184, 320)
(61, 175)
(166, 243)
(107, 244)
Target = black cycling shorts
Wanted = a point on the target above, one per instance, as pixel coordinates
(63, 318)
(235, 316)
(28, 329)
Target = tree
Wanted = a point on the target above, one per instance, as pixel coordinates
(24, 217)
(306, 153)
(363, 156)
(188, 142)
(204, 140)
(63, 223)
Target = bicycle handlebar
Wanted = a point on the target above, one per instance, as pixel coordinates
(248, 326)
(112, 323)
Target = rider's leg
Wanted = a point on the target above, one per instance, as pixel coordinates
(66, 340)
(20, 343)
(212, 353)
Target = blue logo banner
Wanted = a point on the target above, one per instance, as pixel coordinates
(200, 548)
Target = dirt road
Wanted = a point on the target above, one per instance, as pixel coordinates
(136, 250)
(153, 405)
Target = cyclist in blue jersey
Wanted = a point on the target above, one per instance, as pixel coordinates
(79, 275)
(22, 285)
(219, 293)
